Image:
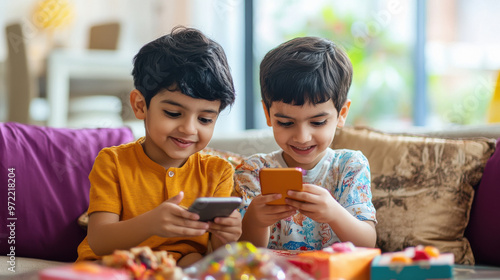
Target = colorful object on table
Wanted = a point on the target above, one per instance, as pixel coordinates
(414, 263)
(339, 261)
(142, 263)
(242, 260)
(82, 271)
(340, 247)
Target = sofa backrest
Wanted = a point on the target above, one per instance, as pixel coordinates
(422, 187)
(45, 174)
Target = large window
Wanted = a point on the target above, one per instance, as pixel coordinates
(463, 59)
(454, 83)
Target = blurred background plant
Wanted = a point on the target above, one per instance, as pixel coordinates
(380, 39)
(382, 83)
(382, 78)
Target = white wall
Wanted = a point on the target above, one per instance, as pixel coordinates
(223, 21)
(141, 21)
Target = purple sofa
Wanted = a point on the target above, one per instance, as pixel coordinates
(45, 188)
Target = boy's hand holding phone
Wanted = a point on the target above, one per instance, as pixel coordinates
(264, 214)
(271, 207)
(170, 219)
(221, 214)
(315, 202)
(226, 229)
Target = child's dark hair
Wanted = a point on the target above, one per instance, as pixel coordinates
(184, 60)
(306, 70)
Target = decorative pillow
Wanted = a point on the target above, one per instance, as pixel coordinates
(483, 230)
(48, 169)
(422, 187)
(233, 158)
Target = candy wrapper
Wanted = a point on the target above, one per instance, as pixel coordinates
(242, 260)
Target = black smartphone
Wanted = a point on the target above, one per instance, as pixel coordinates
(211, 207)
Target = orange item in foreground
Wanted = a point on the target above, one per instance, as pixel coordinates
(349, 265)
(339, 261)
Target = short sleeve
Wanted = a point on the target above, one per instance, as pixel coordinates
(354, 190)
(104, 184)
(246, 179)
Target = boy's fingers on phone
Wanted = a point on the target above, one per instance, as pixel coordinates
(185, 214)
(265, 198)
(302, 197)
(227, 221)
(227, 234)
(194, 224)
(191, 232)
(182, 228)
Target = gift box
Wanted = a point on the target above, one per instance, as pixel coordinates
(340, 261)
(412, 264)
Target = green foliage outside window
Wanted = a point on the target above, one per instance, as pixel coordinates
(382, 82)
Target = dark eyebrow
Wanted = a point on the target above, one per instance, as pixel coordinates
(166, 101)
(172, 103)
(279, 115)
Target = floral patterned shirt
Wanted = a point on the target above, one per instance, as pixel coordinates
(345, 173)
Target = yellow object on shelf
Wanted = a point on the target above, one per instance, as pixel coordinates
(53, 14)
(494, 110)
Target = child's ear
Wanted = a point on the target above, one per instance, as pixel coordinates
(138, 104)
(268, 119)
(343, 113)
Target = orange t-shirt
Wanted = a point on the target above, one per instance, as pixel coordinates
(125, 181)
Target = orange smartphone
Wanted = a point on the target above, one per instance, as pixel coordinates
(280, 180)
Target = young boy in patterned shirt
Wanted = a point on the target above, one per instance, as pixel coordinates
(304, 86)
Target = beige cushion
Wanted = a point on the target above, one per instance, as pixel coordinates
(25, 268)
(422, 187)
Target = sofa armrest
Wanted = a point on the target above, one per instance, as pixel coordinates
(24, 268)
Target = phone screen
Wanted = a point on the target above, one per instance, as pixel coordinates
(280, 180)
(209, 208)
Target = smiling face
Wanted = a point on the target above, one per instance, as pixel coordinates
(177, 125)
(305, 132)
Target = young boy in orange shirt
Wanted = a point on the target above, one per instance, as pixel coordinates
(140, 190)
